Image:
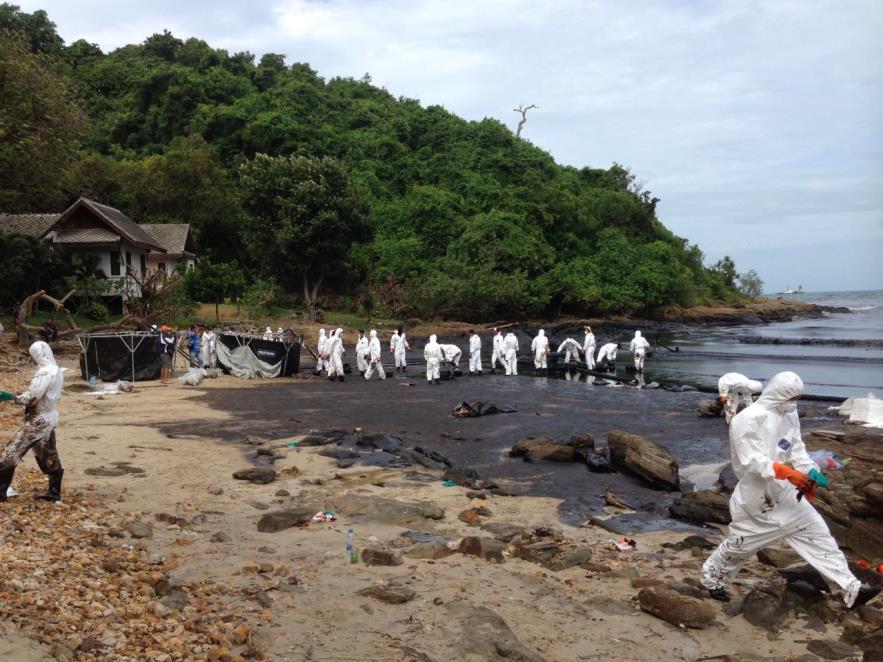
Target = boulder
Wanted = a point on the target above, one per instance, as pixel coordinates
(315, 440)
(675, 608)
(778, 557)
(764, 610)
(260, 475)
(710, 409)
(726, 479)
(338, 453)
(377, 556)
(382, 442)
(463, 476)
(544, 449)
(553, 555)
(703, 506)
(140, 529)
(364, 508)
(429, 550)
(504, 531)
(484, 635)
(488, 549)
(644, 458)
(279, 520)
(831, 649)
(390, 593)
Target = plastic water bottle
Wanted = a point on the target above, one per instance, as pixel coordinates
(351, 555)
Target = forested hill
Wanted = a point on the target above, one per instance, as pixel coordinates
(375, 201)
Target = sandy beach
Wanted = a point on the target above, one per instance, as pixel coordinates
(171, 451)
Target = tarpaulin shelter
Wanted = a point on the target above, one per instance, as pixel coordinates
(115, 355)
(248, 355)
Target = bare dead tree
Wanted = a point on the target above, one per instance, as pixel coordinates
(523, 110)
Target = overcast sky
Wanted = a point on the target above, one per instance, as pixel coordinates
(759, 123)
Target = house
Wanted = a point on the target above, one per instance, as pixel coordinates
(117, 244)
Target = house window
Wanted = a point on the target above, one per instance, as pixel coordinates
(143, 264)
(128, 258)
(114, 264)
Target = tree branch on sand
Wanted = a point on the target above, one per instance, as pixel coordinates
(523, 110)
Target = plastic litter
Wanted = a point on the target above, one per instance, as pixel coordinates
(820, 479)
(326, 516)
(351, 554)
(10, 492)
(624, 545)
(448, 483)
(292, 444)
(828, 460)
(6, 396)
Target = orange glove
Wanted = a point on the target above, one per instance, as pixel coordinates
(799, 480)
(722, 400)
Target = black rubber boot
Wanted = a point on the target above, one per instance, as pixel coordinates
(54, 493)
(437, 381)
(5, 481)
(719, 594)
(865, 595)
(340, 378)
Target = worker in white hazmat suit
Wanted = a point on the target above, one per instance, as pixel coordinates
(38, 431)
(474, 353)
(335, 351)
(322, 352)
(209, 349)
(734, 393)
(499, 353)
(375, 356)
(362, 352)
(510, 349)
(767, 504)
(451, 355)
(433, 355)
(540, 348)
(589, 348)
(268, 333)
(570, 347)
(639, 347)
(398, 345)
(607, 357)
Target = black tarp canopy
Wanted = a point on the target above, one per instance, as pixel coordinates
(251, 355)
(115, 355)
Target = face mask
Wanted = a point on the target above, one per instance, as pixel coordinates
(787, 408)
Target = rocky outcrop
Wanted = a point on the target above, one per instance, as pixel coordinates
(644, 458)
(361, 508)
(852, 504)
(544, 449)
(700, 507)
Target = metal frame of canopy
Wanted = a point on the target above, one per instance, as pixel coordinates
(126, 337)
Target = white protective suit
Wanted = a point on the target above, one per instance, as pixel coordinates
(433, 355)
(268, 333)
(375, 356)
(452, 354)
(209, 350)
(474, 354)
(322, 352)
(570, 347)
(398, 344)
(639, 347)
(334, 349)
(589, 350)
(540, 348)
(737, 389)
(499, 352)
(45, 387)
(362, 353)
(510, 348)
(607, 353)
(766, 510)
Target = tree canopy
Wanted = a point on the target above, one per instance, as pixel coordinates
(407, 208)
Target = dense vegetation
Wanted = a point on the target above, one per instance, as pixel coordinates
(337, 190)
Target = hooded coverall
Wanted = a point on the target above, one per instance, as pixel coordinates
(570, 347)
(540, 349)
(639, 347)
(41, 417)
(589, 350)
(736, 388)
(374, 357)
(474, 354)
(451, 354)
(499, 352)
(433, 355)
(322, 352)
(510, 346)
(334, 349)
(361, 352)
(607, 354)
(764, 509)
(399, 346)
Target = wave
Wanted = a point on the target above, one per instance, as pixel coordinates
(859, 309)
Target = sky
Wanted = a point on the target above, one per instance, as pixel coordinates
(759, 123)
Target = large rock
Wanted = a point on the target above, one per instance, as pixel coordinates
(764, 610)
(363, 508)
(279, 520)
(778, 557)
(831, 649)
(377, 556)
(382, 442)
(504, 531)
(643, 458)
(703, 506)
(544, 449)
(260, 475)
(429, 550)
(488, 549)
(851, 504)
(484, 635)
(726, 479)
(675, 608)
(553, 555)
(391, 594)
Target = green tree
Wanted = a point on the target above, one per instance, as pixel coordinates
(214, 283)
(36, 28)
(304, 217)
(727, 270)
(750, 284)
(40, 126)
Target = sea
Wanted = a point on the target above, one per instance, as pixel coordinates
(839, 355)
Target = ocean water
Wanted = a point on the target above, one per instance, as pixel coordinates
(839, 355)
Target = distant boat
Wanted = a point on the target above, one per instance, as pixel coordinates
(788, 290)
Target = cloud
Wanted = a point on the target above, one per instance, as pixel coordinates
(754, 122)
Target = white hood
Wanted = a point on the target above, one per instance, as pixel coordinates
(781, 388)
